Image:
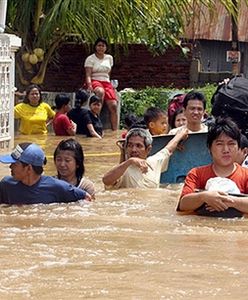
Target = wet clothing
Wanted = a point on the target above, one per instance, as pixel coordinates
(134, 178)
(97, 124)
(197, 179)
(87, 117)
(86, 185)
(77, 115)
(33, 118)
(46, 190)
(61, 124)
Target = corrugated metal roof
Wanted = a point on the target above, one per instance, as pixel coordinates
(218, 26)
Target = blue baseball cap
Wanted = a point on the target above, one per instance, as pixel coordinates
(31, 154)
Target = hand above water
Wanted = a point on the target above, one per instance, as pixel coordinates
(74, 125)
(142, 164)
(182, 134)
(217, 201)
(88, 197)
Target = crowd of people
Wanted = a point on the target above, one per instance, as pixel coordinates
(218, 189)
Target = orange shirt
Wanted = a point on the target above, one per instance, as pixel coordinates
(198, 177)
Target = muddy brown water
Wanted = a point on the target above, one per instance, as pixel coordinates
(128, 244)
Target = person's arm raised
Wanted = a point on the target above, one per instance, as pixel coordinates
(173, 143)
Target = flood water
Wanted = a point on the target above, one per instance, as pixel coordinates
(127, 244)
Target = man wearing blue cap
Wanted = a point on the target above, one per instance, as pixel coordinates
(27, 185)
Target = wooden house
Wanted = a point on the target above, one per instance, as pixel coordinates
(213, 34)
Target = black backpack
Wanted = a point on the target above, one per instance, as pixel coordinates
(231, 100)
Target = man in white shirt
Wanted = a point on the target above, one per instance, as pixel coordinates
(194, 105)
(139, 169)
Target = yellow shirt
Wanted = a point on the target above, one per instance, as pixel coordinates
(33, 118)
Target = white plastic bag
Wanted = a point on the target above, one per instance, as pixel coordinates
(222, 185)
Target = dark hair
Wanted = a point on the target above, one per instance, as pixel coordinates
(29, 89)
(100, 40)
(223, 125)
(94, 99)
(24, 145)
(38, 170)
(81, 97)
(243, 141)
(130, 119)
(61, 100)
(152, 114)
(140, 123)
(173, 118)
(77, 149)
(193, 95)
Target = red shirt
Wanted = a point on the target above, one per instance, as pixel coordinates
(198, 177)
(61, 124)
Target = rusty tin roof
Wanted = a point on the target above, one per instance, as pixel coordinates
(217, 26)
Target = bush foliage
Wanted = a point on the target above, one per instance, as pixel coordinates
(137, 102)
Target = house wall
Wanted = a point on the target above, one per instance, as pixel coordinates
(212, 55)
(137, 68)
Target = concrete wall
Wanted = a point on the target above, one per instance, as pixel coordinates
(137, 69)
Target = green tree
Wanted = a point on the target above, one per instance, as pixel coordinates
(44, 24)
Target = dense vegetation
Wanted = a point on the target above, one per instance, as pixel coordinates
(138, 101)
(44, 25)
